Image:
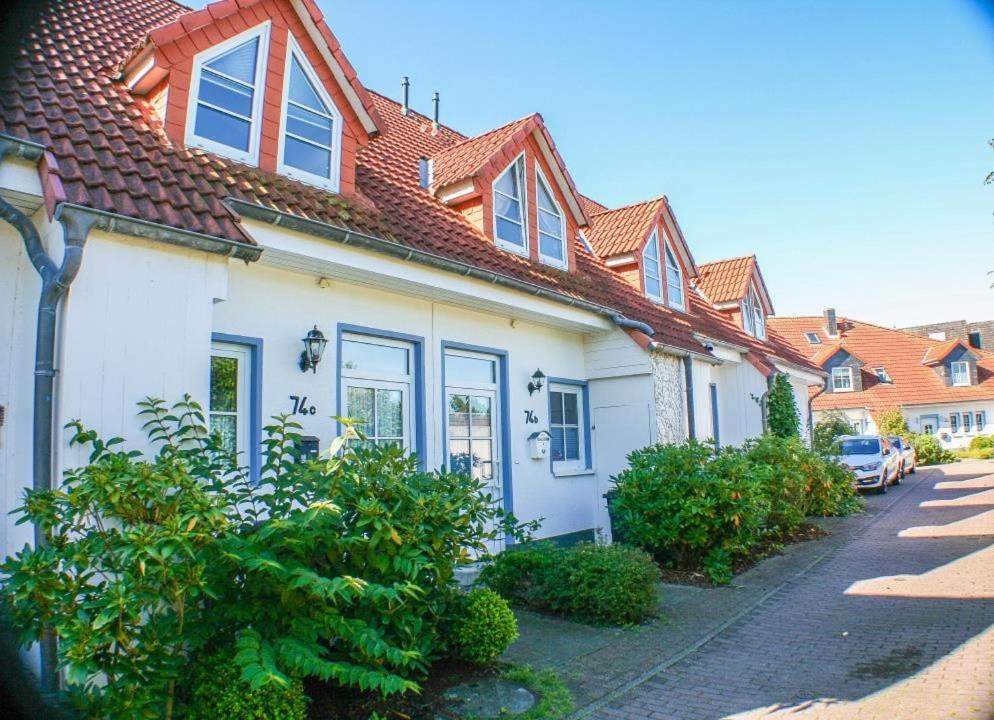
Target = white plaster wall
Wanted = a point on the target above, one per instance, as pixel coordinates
(855, 415)
(961, 439)
(740, 415)
(614, 354)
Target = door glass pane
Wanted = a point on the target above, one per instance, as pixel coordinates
(470, 369)
(389, 414)
(480, 419)
(370, 357)
(483, 467)
(459, 416)
(459, 459)
(224, 384)
(227, 427)
(359, 407)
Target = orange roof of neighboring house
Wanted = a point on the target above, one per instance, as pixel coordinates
(899, 353)
(615, 232)
(826, 352)
(110, 153)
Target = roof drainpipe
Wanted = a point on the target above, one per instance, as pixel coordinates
(434, 122)
(622, 321)
(405, 109)
(55, 281)
(688, 372)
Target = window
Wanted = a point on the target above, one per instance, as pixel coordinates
(227, 88)
(967, 422)
(881, 374)
(954, 422)
(510, 230)
(961, 372)
(650, 268)
(748, 318)
(981, 418)
(311, 125)
(674, 280)
(567, 427)
(759, 314)
(975, 339)
(928, 424)
(841, 379)
(551, 228)
(813, 338)
(377, 375)
(754, 317)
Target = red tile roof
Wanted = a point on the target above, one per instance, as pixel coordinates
(898, 352)
(112, 155)
(940, 351)
(615, 232)
(726, 280)
(466, 158)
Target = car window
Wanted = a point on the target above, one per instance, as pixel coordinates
(863, 446)
(896, 442)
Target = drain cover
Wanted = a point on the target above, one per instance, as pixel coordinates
(490, 698)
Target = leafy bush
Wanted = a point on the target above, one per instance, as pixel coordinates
(929, 451)
(594, 583)
(828, 430)
(484, 626)
(214, 689)
(691, 508)
(780, 468)
(782, 416)
(892, 422)
(831, 488)
(982, 442)
(983, 453)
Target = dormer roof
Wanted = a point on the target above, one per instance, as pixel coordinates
(460, 168)
(728, 281)
(937, 353)
(827, 353)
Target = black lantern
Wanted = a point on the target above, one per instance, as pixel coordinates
(536, 382)
(314, 343)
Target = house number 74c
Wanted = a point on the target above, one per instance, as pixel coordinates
(300, 406)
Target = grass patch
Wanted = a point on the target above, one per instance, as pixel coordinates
(553, 698)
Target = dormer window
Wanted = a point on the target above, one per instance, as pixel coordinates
(510, 231)
(753, 315)
(842, 379)
(960, 371)
(674, 280)
(551, 226)
(650, 268)
(311, 126)
(882, 374)
(227, 96)
(813, 338)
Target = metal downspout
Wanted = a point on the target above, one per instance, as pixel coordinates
(688, 371)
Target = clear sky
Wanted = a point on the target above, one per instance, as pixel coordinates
(842, 142)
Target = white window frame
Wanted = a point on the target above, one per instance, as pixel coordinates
(578, 465)
(748, 317)
(966, 372)
(758, 313)
(653, 242)
(332, 182)
(837, 374)
(967, 422)
(191, 139)
(954, 426)
(243, 398)
(548, 259)
(522, 169)
(813, 338)
(670, 255)
(382, 381)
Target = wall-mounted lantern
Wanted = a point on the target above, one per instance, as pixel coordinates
(536, 382)
(310, 356)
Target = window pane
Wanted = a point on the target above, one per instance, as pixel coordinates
(307, 157)
(508, 182)
(551, 224)
(509, 232)
(470, 369)
(556, 401)
(373, 358)
(652, 248)
(459, 460)
(483, 466)
(308, 125)
(652, 286)
(389, 414)
(359, 407)
(570, 414)
(226, 93)
(301, 90)
(507, 207)
(480, 420)
(545, 201)
(227, 427)
(459, 416)
(572, 443)
(224, 384)
(551, 246)
(558, 443)
(223, 128)
(239, 62)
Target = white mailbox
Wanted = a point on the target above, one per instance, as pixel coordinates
(538, 444)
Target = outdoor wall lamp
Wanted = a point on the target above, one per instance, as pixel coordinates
(536, 382)
(310, 356)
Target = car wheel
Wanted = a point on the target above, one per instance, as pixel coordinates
(900, 475)
(883, 484)
(913, 469)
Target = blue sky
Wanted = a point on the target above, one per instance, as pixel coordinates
(843, 143)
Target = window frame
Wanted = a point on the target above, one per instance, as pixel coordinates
(966, 373)
(584, 463)
(333, 182)
(653, 242)
(670, 255)
(758, 313)
(191, 139)
(849, 374)
(249, 349)
(548, 259)
(815, 341)
(966, 422)
(954, 426)
(521, 163)
(882, 375)
(980, 420)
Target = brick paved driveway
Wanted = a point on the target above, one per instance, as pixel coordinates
(836, 655)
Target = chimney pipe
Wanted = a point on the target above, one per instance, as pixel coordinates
(434, 122)
(406, 87)
(831, 323)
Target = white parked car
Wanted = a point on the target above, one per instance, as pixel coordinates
(874, 461)
(909, 458)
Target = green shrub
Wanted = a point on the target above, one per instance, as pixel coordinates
(782, 416)
(892, 422)
(984, 453)
(929, 451)
(688, 506)
(828, 430)
(982, 442)
(594, 583)
(831, 488)
(484, 627)
(779, 466)
(213, 689)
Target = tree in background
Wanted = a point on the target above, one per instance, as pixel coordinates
(782, 417)
(833, 425)
(892, 422)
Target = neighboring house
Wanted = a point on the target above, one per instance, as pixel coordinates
(944, 388)
(978, 335)
(233, 189)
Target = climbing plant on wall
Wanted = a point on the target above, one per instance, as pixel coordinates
(782, 416)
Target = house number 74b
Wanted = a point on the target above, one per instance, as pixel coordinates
(300, 406)
(530, 417)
